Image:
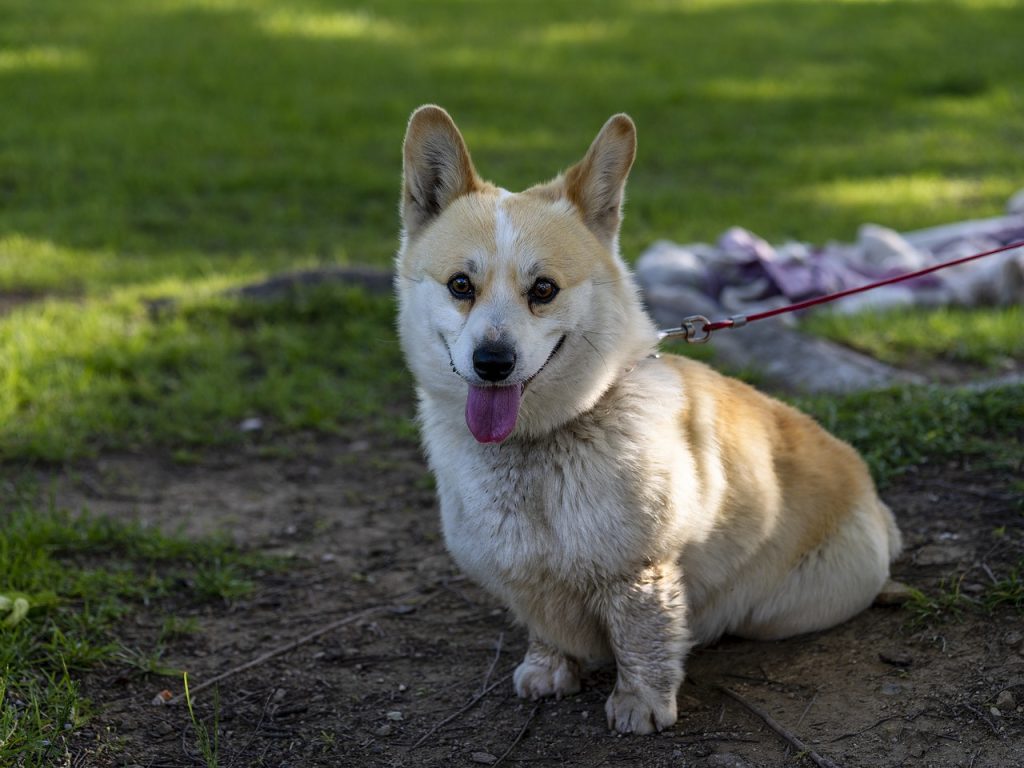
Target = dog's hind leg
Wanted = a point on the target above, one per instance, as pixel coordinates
(832, 583)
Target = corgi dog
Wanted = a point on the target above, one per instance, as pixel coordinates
(624, 505)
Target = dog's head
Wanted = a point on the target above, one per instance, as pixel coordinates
(516, 303)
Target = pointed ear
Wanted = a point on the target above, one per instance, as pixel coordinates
(436, 169)
(596, 184)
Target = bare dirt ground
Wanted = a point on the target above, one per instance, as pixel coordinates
(397, 678)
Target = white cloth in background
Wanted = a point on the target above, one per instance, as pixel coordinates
(742, 273)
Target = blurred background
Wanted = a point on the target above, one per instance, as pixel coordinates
(168, 137)
(163, 151)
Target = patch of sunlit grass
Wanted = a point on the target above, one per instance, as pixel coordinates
(338, 25)
(988, 338)
(41, 57)
(880, 193)
(123, 371)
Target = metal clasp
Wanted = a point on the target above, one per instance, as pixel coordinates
(693, 329)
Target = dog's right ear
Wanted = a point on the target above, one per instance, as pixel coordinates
(437, 167)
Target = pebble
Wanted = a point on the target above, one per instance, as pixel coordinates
(726, 760)
(483, 758)
(1006, 702)
(896, 657)
(890, 689)
(1013, 638)
(395, 715)
(893, 593)
(384, 730)
(936, 554)
(163, 728)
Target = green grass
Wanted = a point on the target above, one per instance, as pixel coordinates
(112, 373)
(899, 430)
(949, 603)
(177, 138)
(987, 339)
(82, 576)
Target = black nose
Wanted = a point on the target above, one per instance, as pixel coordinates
(494, 361)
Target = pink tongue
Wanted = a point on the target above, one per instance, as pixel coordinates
(491, 412)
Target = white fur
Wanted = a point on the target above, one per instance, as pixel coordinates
(641, 504)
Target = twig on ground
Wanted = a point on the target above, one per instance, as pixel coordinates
(518, 738)
(905, 718)
(454, 716)
(259, 723)
(979, 713)
(497, 655)
(794, 741)
(807, 709)
(263, 658)
(699, 737)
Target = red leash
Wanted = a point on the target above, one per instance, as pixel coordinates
(697, 329)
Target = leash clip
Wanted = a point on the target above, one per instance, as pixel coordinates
(694, 329)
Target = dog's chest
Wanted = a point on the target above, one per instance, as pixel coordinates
(562, 508)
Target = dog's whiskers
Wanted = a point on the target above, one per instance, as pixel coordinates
(598, 351)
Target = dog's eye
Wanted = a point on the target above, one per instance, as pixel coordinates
(460, 286)
(543, 291)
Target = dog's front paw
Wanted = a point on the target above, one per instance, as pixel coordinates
(639, 712)
(538, 677)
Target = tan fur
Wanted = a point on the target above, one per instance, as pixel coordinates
(641, 504)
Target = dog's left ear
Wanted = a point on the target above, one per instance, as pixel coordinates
(596, 184)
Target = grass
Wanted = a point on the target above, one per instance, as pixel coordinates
(949, 603)
(207, 740)
(82, 577)
(113, 373)
(154, 154)
(987, 339)
(899, 430)
(183, 138)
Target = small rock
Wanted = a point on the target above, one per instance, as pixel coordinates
(994, 711)
(893, 593)
(163, 728)
(896, 657)
(279, 695)
(384, 730)
(726, 760)
(251, 425)
(890, 689)
(1013, 638)
(1006, 702)
(946, 554)
(395, 715)
(484, 758)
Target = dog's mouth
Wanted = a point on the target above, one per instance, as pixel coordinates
(492, 411)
